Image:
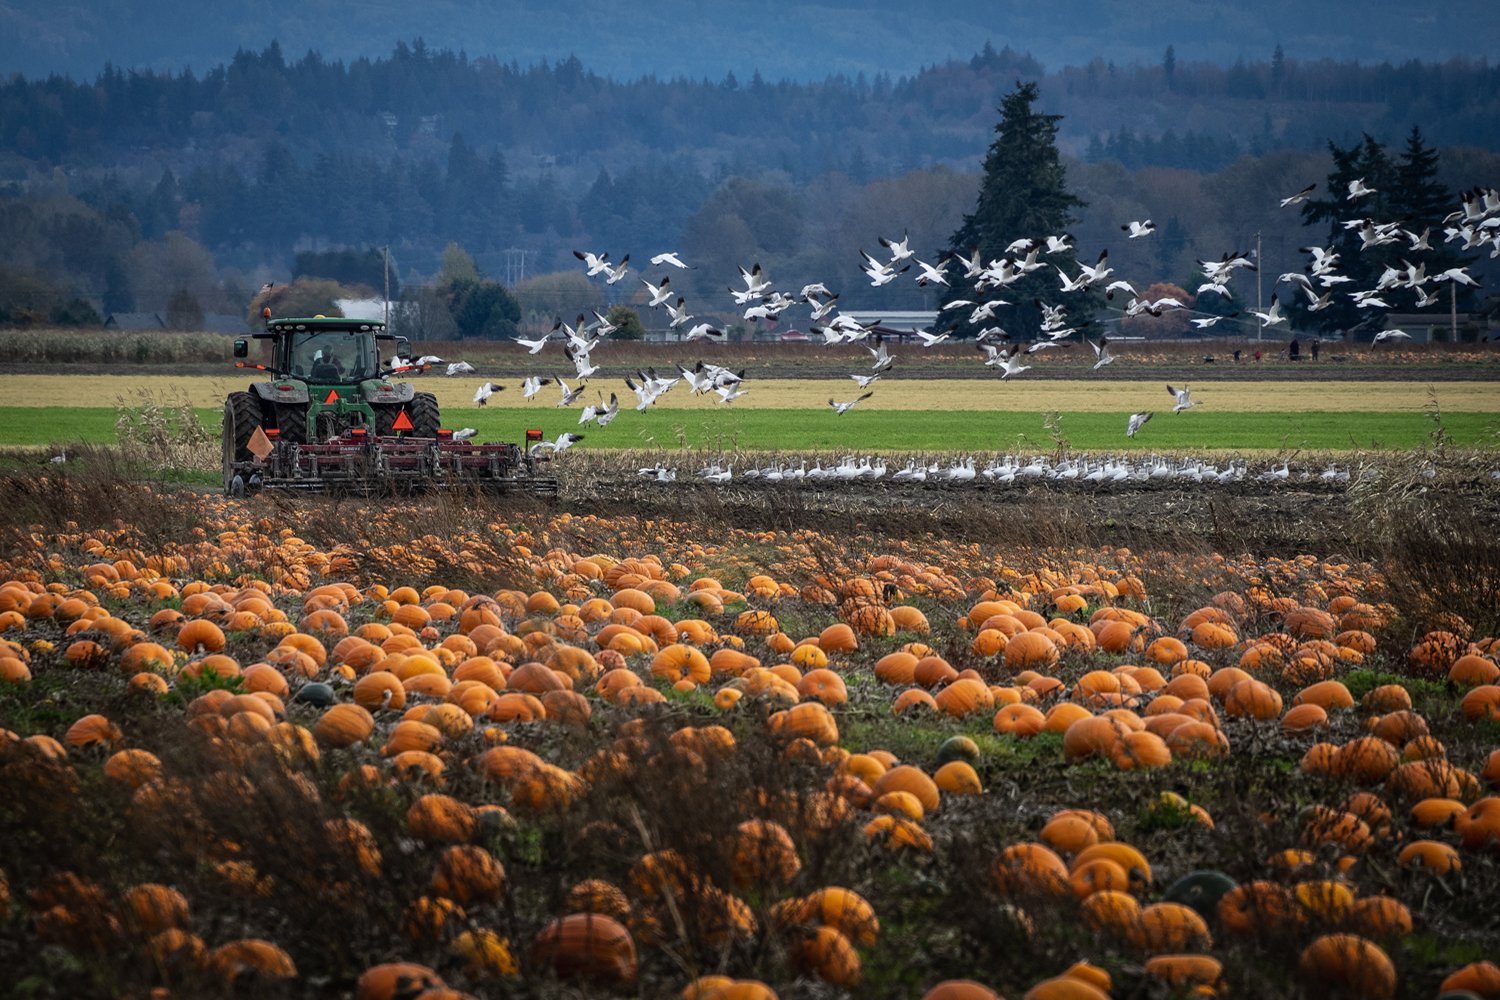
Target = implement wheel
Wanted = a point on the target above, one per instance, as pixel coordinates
(241, 418)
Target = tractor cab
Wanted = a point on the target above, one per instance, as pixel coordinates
(325, 350)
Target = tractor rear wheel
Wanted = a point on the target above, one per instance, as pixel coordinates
(425, 418)
(242, 417)
(291, 423)
(385, 417)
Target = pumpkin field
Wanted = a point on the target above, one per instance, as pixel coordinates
(701, 745)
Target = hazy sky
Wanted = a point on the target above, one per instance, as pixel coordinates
(696, 38)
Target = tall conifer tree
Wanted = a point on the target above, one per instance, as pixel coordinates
(1023, 195)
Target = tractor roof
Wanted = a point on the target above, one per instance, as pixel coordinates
(288, 324)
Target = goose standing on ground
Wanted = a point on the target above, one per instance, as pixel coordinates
(1184, 399)
(840, 409)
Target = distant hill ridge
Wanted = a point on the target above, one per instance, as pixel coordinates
(796, 41)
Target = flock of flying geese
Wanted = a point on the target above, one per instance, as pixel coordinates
(1475, 224)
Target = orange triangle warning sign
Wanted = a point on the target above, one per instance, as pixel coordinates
(259, 445)
(331, 398)
(403, 423)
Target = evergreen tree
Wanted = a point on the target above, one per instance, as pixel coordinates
(1367, 161)
(1023, 194)
(1169, 68)
(1421, 202)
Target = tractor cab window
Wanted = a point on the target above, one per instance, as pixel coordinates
(332, 356)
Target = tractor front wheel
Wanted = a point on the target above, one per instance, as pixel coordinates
(241, 419)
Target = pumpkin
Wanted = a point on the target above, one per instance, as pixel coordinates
(763, 853)
(1169, 927)
(441, 819)
(843, 909)
(92, 731)
(1349, 963)
(1030, 869)
(467, 874)
(395, 980)
(343, 726)
(153, 908)
(1482, 978)
(1201, 890)
(828, 954)
(251, 956)
(960, 989)
(1185, 970)
(587, 946)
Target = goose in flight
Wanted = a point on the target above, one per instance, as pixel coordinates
(1055, 317)
(899, 251)
(534, 346)
(563, 443)
(581, 361)
(1358, 190)
(1060, 244)
(756, 284)
(1300, 196)
(823, 308)
(1184, 399)
(840, 409)
(865, 381)
(1072, 284)
(704, 331)
(570, 396)
(729, 393)
(427, 360)
(617, 274)
(882, 357)
(669, 259)
(1272, 316)
(1100, 269)
(1139, 229)
(929, 339)
(1207, 321)
(602, 326)
(679, 313)
(483, 393)
(1137, 421)
(1012, 365)
(660, 294)
(460, 368)
(645, 395)
(1119, 286)
(596, 263)
(533, 385)
(604, 415)
(1458, 274)
(1385, 335)
(930, 274)
(1101, 351)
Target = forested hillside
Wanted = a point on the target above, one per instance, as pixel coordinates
(122, 191)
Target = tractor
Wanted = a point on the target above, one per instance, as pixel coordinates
(329, 417)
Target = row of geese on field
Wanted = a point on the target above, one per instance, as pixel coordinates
(1011, 469)
(1475, 224)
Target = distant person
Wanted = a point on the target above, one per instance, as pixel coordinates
(1294, 350)
(1315, 348)
(1237, 355)
(1256, 355)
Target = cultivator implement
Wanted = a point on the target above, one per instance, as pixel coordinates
(360, 462)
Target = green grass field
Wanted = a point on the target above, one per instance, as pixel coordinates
(883, 430)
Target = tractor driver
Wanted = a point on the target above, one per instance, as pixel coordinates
(326, 365)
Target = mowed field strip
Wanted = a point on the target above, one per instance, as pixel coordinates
(893, 393)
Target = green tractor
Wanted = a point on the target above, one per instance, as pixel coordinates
(329, 416)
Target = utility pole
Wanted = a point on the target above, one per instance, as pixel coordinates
(1260, 324)
(387, 250)
(1453, 312)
